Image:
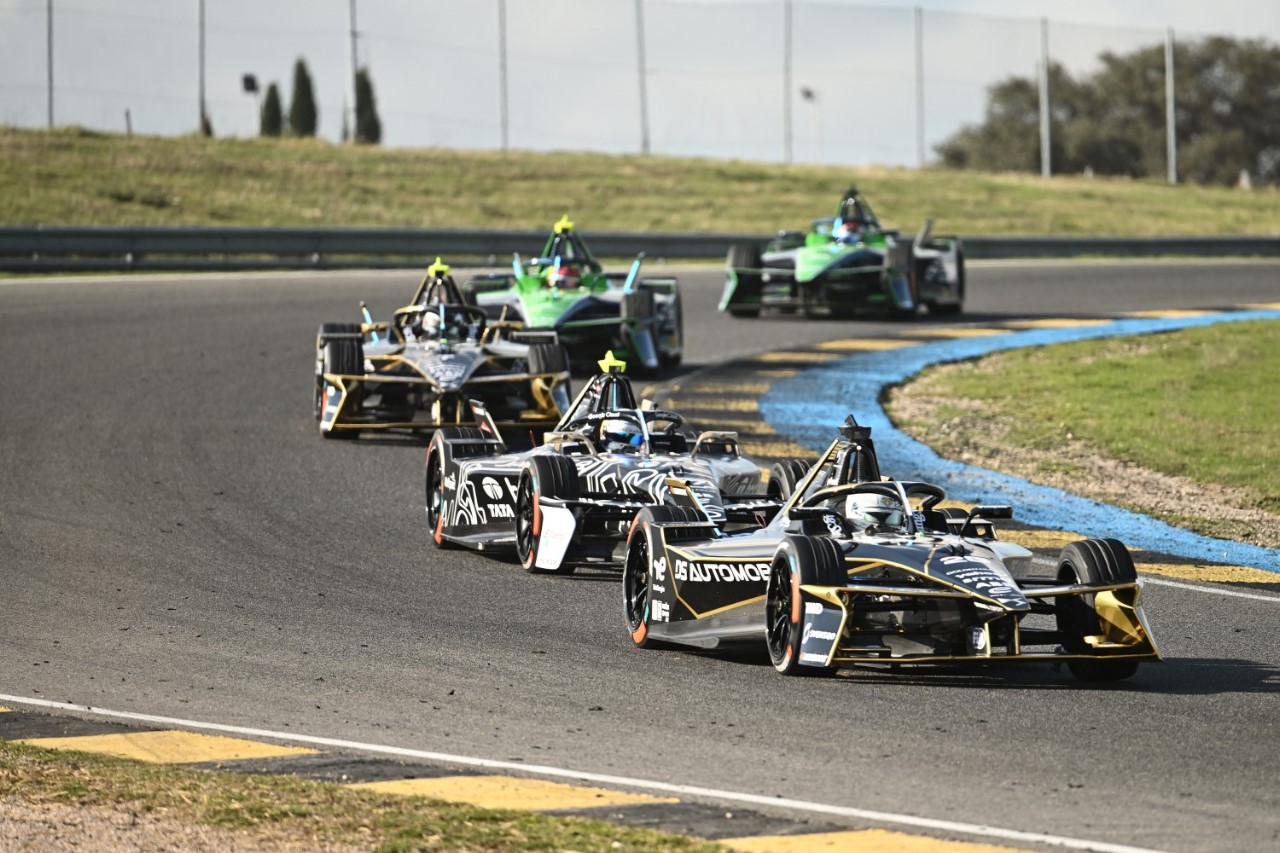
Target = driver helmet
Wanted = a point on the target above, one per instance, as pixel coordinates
(430, 323)
(874, 513)
(565, 276)
(620, 434)
(849, 228)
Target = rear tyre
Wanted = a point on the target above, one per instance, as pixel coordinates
(669, 357)
(550, 358)
(800, 560)
(1092, 561)
(543, 477)
(745, 256)
(784, 476)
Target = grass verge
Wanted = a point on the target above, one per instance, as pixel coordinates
(283, 811)
(73, 176)
(1196, 403)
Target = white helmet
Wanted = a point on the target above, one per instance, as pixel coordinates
(874, 512)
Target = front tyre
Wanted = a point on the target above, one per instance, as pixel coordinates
(800, 560)
(544, 476)
(1091, 561)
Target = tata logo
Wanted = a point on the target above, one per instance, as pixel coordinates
(501, 511)
(491, 488)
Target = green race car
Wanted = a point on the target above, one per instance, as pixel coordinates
(845, 265)
(592, 311)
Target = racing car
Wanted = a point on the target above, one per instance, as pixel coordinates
(845, 265)
(417, 372)
(860, 569)
(566, 289)
(570, 501)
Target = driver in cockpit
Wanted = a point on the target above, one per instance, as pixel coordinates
(865, 513)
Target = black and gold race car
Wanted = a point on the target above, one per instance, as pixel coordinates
(418, 372)
(570, 501)
(858, 569)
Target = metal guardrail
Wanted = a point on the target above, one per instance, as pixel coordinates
(79, 249)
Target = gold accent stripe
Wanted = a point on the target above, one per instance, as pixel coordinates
(856, 841)
(509, 792)
(955, 333)
(1059, 323)
(169, 747)
(864, 344)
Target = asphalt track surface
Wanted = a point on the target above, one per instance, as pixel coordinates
(176, 539)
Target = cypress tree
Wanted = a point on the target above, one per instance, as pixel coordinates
(271, 122)
(302, 109)
(368, 127)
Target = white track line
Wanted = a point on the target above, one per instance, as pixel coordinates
(1207, 590)
(600, 778)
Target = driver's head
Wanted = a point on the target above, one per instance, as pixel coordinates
(430, 323)
(565, 276)
(874, 513)
(621, 434)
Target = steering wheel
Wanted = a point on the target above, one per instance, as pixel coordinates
(673, 420)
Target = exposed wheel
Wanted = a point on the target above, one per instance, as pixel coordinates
(544, 476)
(896, 311)
(669, 357)
(745, 256)
(638, 304)
(799, 560)
(637, 570)
(322, 362)
(957, 307)
(435, 477)
(343, 356)
(785, 475)
(1101, 561)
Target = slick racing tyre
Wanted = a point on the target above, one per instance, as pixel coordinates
(785, 475)
(343, 356)
(543, 477)
(1092, 561)
(671, 334)
(435, 477)
(637, 570)
(745, 256)
(800, 560)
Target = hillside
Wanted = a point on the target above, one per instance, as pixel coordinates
(78, 177)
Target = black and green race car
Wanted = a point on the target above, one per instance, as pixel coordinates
(567, 290)
(846, 265)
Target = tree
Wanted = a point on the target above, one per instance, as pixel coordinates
(368, 127)
(206, 124)
(271, 122)
(1113, 121)
(302, 109)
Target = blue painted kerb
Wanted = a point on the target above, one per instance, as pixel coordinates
(808, 407)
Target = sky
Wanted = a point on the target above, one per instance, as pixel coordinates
(715, 82)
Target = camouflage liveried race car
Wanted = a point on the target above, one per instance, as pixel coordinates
(570, 501)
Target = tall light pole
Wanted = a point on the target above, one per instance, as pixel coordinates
(203, 112)
(351, 126)
(920, 87)
(640, 61)
(502, 69)
(1170, 114)
(1045, 167)
(786, 81)
(49, 55)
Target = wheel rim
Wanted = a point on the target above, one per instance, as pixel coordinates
(778, 611)
(636, 582)
(524, 520)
